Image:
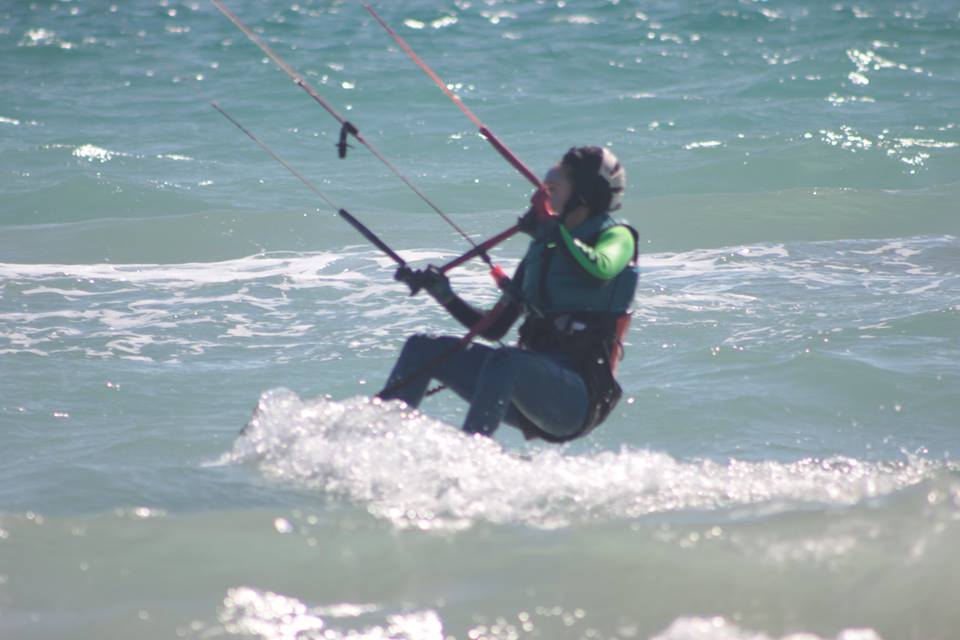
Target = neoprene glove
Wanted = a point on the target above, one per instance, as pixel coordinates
(539, 218)
(431, 280)
(436, 283)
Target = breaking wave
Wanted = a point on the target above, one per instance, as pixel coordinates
(248, 612)
(417, 472)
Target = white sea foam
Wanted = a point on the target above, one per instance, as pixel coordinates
(94, 153)
(137, 311)
(296, 268)
(704, 144)
(272, 616)
(445, 21)
(283, 300)
(579, 19)
(417, 472)
(721, 629)
(39, 37)
(175, 156)
(496, 16)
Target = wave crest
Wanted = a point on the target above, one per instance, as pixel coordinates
(417, 472)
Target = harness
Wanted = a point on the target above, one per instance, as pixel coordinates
(593, 341)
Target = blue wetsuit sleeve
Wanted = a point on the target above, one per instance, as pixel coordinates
(468, 315)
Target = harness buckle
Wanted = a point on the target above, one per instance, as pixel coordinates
(567, 324)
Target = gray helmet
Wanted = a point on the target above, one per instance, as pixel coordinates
(598, 178)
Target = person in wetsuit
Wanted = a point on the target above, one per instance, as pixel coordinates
(574, 288)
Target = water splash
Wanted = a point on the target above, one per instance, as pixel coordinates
(271, 616)
(416, 472)
(720, 629)
(94, 153)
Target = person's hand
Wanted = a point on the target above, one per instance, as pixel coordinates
(539, 218)
(431, 280)
(407, 276)
(436, 283)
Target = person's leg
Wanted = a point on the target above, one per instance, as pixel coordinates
(552, 396)
(459, 371)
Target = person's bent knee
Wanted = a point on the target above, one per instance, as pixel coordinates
(422, 346)
(417, 341)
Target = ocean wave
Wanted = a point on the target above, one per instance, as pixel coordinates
(747, 295)
(718, 628)
(173, 311)
(256, 267)
(417, 472)
(262, 614)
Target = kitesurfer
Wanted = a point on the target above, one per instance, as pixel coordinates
(574, 287)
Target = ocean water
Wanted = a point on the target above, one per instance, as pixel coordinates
(785, 463)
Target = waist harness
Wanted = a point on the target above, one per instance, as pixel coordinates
(593, 341)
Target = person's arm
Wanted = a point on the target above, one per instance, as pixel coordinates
(467, 315)
(436, 283)
(613, 252)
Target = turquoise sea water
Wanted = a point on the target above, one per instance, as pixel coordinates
(785, 460)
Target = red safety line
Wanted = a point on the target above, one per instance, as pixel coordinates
(483, 246)
(508, 155)
(343, 213)
(350, 128)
